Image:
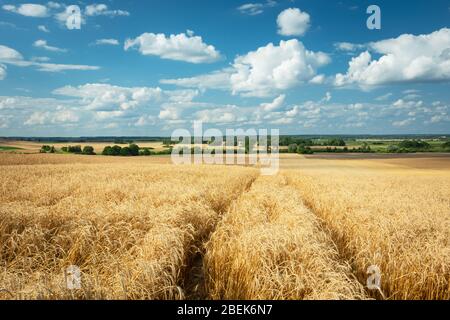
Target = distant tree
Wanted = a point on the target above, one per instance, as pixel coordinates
(134, 149)
(292, 148)
(64, 149)
(45, 149)
(414, 144)
(446, 145)
(88, 150)
(115, 150)
(52, 149)
(304, 150)
(335, 143)
(392, 148)
(74, 149)
(145, 152)
(107, 151)
(125, 152)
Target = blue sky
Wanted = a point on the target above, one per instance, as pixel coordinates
(149, 67)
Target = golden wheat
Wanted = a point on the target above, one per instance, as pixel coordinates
(129, 227)
(270, 246)
(135, 226)
(399, 221)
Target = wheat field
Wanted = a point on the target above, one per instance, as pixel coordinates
(141, 228)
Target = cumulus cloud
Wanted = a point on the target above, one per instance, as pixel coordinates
(272, 68)
(293, 22)
(275, 104)
(111, 42)
(253, 9)
(28, 10)
(407, 58)
(46, 117)
(43, 44)
(106, 97)
(223, 115)
(263, 72)
(181, 47)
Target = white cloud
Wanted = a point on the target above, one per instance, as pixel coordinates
(319, 79)
(275, 104)
(43, 29)
(253, 9)
(263, 72)
(181, 47)
(107, 97)
(384, 97)
(43, 44)
(403, 123)
(293, 22)
(9, 55)
(37, 118)
(53, 5)
(65, 116)
(223, 115)
(53, 67)
(28, 9)
(46, 117)
(408, 58)
(273, 68)
(2, 71)
(347, 46)
(102, 10)
(112, 42)
(4, 121)
(215, 80)
(105, 115)
(40, 59)
(145, 120)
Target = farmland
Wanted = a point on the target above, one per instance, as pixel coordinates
(142, 228)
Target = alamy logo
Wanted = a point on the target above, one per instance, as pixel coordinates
(73, 278)
(374, 20)
(73, 21)
(374, 279)
(235, 146)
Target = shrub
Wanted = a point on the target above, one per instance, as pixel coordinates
(304, 150)
(292, 148)
(392, 148)
(145, 152)
(125, 152)
(335, 142)
(414, 144)
(134, 149)
(107, 151)
(74, 149)
(116, 150)
(45, 149)
(88, 150)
